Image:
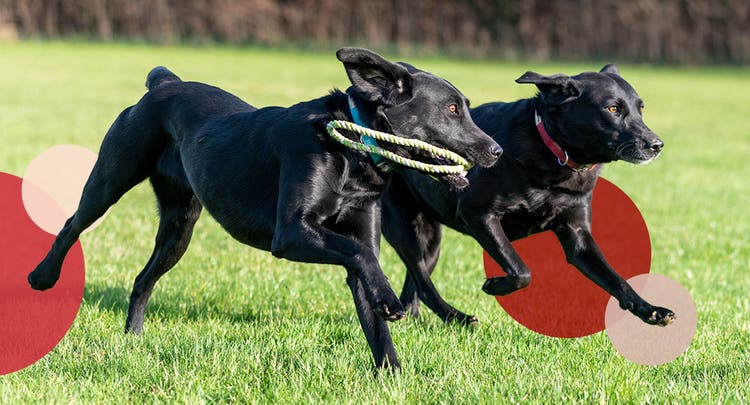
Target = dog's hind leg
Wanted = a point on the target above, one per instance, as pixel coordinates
(126, 157)
(416, 238)
(179, 209)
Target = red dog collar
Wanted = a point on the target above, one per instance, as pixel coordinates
(562, 156)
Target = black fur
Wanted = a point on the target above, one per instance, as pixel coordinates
(528, 191)
(271, 176)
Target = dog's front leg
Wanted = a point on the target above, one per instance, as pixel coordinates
(376, 302)
(416, 237)
(376, 329)
(488, 231)
(362, 223)
(583, 252)
(311, 242)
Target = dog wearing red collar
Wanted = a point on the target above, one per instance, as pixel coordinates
(555, 144)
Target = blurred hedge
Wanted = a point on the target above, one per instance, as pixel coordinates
(700, 31)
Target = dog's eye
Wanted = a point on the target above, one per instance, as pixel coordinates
(453, 109)
(641, 108)
(614, 109)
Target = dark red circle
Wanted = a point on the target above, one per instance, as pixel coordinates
(561, 301)
(32, 322)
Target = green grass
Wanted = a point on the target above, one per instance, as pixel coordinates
(231, 323)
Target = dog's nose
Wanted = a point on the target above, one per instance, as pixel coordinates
(656, 145)
(496, 150)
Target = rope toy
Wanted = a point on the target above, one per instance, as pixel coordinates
(461, 165)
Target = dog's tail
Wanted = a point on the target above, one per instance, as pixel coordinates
(158, 76)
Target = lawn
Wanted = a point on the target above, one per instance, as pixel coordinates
(231, 323)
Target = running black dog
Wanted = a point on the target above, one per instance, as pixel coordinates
(556, 144)
(272, 177)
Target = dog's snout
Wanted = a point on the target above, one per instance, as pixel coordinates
(496, 150)
(656, 145)
(484, 154)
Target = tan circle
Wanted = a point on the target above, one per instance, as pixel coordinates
(53, 184)
(648, 344)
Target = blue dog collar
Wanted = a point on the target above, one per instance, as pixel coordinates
(379, 161)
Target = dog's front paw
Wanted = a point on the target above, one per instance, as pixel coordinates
(505, 285)
(660, 316)
(390, 311)
(461, 319)
(389, 307)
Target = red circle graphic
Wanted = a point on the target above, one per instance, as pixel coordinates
(561, 301)
(31, 322)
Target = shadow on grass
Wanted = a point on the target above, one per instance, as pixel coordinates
(170, 306)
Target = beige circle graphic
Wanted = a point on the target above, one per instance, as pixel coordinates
(53, 184)
(648, 344)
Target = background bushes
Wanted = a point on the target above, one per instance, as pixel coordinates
(701, 31)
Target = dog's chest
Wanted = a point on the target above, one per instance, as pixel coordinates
(358, 184)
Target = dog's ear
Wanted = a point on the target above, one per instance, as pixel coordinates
(610, 68)
(409, 67)
(375, 78)
(555, 89)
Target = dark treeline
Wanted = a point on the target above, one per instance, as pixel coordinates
(700, 31)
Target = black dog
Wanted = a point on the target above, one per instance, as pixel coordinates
(546, 183)
(272, 177)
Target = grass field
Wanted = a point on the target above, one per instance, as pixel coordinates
(233, 324)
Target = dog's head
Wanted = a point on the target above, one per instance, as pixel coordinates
(596, 116)
(415, 104)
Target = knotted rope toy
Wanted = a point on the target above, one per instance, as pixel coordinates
(460, 165)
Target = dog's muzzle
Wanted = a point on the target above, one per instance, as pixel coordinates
(640, 153)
